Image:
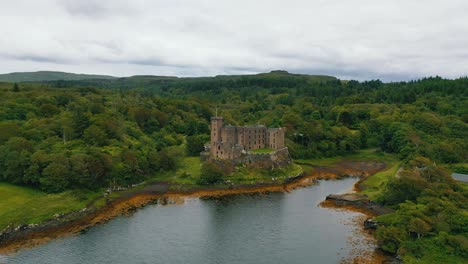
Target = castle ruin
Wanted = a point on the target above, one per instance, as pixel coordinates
(230, 142)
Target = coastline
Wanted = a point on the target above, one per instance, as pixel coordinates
(128, 203)
(358, 203)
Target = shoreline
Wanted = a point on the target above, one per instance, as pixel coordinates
(358, 203)
(43, 233)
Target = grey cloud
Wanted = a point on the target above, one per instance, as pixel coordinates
(34, 58)
(96, 9)
(355, 39)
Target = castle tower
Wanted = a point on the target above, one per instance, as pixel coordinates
(216, 131)
(216, 125)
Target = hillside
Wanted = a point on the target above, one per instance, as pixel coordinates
(76, 142)
(48, 76)
(170, 85)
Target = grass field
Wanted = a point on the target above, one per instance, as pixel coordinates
(374, 184)
(188, 172)
(22, 205)
(190, 169)
(251, 176)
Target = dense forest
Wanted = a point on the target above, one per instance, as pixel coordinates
(58, 135)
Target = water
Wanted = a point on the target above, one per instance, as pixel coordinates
(273, 228)
(460, 177)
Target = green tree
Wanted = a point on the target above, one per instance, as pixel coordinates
(8, 130)
(95, 136)
(211, 173)
(419, 226)
(161, 160)
(390, 238)
(407, 187)
(15, 88)
(54, 177)
(195, 144)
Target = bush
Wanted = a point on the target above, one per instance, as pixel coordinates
(210, 174)
(390, 238)
(54, 178)
(195, 144)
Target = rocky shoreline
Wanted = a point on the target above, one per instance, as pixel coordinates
(15, 238)
(360, 203)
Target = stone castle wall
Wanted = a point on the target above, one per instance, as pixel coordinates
(230, 142)
(276, 159)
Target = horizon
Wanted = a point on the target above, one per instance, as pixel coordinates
(254, 73)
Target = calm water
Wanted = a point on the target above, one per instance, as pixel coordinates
(273, 228)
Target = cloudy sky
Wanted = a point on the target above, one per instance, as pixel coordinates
(351, 39)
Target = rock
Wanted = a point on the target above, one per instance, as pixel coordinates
(371, 223)
(21, 228)
(32, 226)
(349, 197)
(360, 201)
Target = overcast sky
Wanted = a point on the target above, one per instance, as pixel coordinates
(351, 39)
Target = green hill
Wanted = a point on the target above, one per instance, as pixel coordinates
(172, 86)
(49, 76)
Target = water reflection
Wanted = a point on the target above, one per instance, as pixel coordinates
(249, 224)
(273, 228)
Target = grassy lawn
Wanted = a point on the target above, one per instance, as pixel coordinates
(262, 150)
(251, 176)
(22, 205)
(373, 184)
(187, 173)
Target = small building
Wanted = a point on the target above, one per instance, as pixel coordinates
(230, 142)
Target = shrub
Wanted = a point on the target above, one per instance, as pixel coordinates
(210, 174)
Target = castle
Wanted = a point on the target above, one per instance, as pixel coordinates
(230, 142)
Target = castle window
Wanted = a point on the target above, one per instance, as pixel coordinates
(219, 147)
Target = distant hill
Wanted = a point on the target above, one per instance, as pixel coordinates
(168, 84)
(40, 76)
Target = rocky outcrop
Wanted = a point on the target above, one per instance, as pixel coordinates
(360, 201)
(371, 223)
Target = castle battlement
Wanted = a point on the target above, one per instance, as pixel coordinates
(230, 142)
